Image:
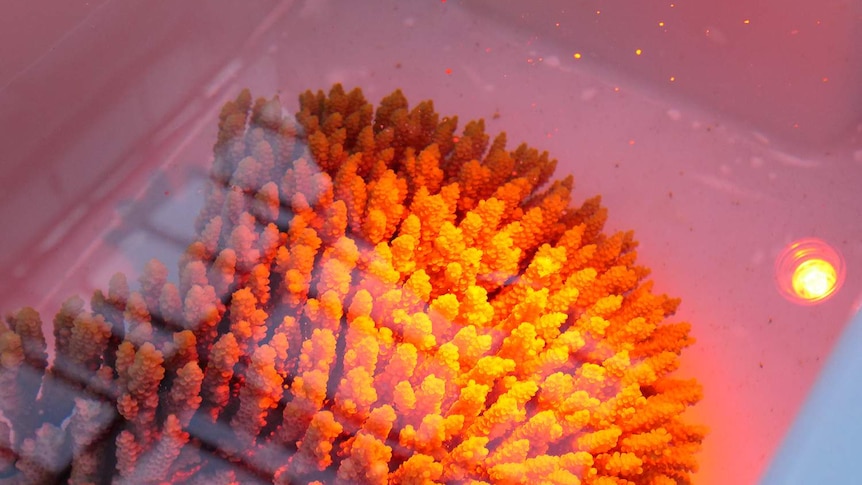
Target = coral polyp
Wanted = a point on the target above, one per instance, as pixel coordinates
(372, 297)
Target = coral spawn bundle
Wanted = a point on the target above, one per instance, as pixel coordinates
(372, 297)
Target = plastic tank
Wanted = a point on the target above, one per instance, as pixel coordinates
(722, 133)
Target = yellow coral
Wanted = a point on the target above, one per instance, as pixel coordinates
(373, 297)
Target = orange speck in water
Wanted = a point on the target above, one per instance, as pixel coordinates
(672, 78)
(577, 55)
(616, 89)
(825, 79)
(638, 52)
(631, 142)
(448, 71)
(746, 21)
(660, 23)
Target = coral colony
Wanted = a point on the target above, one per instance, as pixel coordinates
(371, 298)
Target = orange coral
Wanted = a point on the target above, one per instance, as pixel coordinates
(371, 299)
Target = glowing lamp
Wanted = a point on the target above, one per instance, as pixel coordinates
(809, 271)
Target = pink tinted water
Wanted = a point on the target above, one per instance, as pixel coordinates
(734, 132)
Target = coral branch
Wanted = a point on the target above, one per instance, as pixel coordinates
(371, 297)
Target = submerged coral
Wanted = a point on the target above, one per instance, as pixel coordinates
(371, 298)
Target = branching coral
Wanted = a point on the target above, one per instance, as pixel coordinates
(371, 298)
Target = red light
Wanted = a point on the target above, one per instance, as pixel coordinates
(809, 271)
